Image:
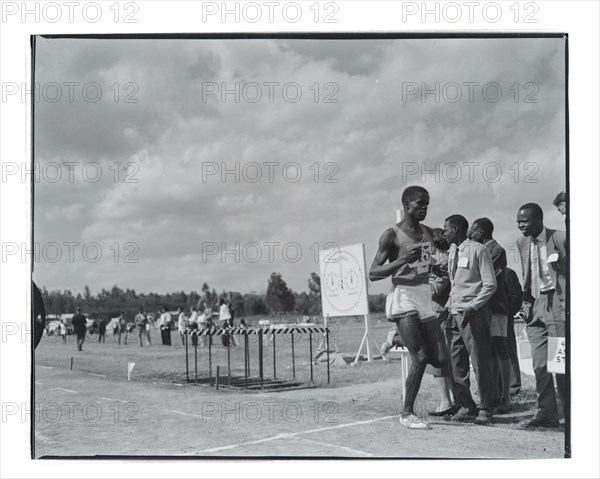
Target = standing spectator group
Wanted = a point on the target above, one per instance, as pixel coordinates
(475, 325)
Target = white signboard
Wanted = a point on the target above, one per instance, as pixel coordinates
(344, 281)
(557, 352)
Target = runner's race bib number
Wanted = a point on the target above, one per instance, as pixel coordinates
(421, 266)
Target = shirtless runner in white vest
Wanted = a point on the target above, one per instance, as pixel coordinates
(404, 254)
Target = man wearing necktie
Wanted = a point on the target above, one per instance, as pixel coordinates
(543, 255)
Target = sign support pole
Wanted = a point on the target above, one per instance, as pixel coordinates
(324, 344)
(365, 342)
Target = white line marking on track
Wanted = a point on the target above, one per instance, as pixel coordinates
(293, 434)
(112, 400)
(338, 446)
(38, 383)
(184, 413)
(99, 375)
(47, 367)
(63, 389)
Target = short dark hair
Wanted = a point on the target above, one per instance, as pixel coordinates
(537, 210)
(486, 226)
(560, 198)
(411, 192)
(439, 240)
(458, 221)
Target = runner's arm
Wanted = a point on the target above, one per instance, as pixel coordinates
(379, 270)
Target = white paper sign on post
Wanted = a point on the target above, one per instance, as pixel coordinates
(557, 352)
(344, 281)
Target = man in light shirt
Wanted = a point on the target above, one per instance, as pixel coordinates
(182, 324)
(543, 255)
(202, 324)
(165, 327)
(62, 328)
(473, 283)
(193, 325)
(149, 325)
(224, 317)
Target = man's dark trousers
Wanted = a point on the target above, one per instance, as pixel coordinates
(474, 342)
(163, 335)
(515, 372)
(547, 319)
(80, 339)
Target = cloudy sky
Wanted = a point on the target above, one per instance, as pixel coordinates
(377, 138)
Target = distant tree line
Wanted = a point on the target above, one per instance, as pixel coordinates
(278, 298)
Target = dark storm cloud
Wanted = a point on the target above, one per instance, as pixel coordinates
(371, 134)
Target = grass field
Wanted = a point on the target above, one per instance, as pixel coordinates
(94, 410)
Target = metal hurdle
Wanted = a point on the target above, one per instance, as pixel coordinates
(247, 381)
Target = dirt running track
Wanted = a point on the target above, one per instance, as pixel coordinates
(84, 414)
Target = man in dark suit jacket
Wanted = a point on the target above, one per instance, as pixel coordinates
(79, 326)
(514, 296)
(543, 254)
(482, 231)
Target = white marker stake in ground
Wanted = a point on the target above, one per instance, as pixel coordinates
(129, 369)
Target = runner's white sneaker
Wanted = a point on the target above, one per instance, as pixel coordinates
(384, 348)
(413, 422)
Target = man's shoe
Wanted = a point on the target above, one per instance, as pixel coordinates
(504, 407)
(384, 348)
(413, 422)
(484, 418)
(450, 411)
(465, 414)
(539, 422)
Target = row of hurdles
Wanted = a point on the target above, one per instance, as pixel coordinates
(248, 381)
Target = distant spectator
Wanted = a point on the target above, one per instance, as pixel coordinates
(561, 203)
(210, 324)
(140, 324)
(149, 323)
(202, 324)
(121, 327)
(232, 337)
(193, 325)
(102, 330)
(224, 317)
(181, 324)
(129, 327)
(165, 327)
(62, 330)
(79, 327)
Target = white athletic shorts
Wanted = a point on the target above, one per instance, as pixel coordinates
(499, 325)
(410, 299)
